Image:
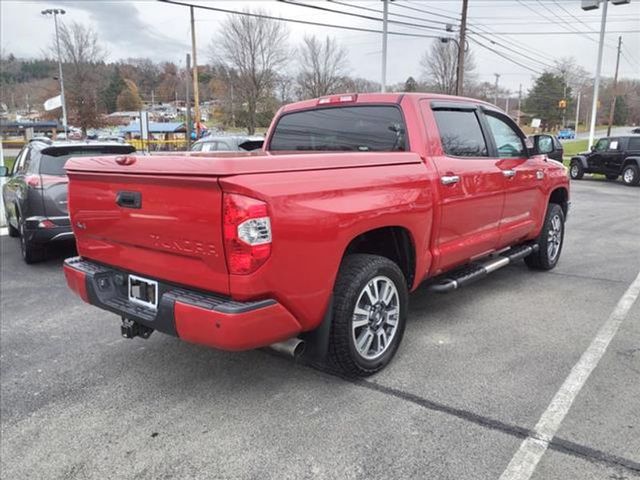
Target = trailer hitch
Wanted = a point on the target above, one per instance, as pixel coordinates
(132, 329)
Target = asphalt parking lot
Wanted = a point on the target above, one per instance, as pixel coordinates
(475, 374)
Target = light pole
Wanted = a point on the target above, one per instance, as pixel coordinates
(55, 12)
(593, 5)
(383, 76)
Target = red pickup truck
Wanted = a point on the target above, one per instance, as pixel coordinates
(316, 241)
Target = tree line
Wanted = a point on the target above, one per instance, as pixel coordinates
(253, 68)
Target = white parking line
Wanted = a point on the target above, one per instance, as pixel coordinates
(524, 462)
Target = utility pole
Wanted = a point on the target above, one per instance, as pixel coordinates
(506, 107)
(577, 112)
(596, 83)
(495, 96)
(461, 48)
(196, 94)
(385, 14)
(615, 88)
(188, 101)
(519, 104)
(55, 12)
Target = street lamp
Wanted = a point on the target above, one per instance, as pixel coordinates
(593, 5)
(55, 12)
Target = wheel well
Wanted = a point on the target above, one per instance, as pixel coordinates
(560, 196)
(633, 161)
(394, 243)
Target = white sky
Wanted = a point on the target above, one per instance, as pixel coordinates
(161, 32)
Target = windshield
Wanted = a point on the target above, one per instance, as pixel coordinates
(52, 162)
(355, 128)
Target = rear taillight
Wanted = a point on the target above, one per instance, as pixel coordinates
(34, 181)
(247, 233)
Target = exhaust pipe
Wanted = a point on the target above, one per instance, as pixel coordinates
(293, 347)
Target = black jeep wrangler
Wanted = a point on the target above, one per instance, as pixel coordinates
(611, 156)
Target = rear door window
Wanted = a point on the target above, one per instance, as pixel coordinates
(634, 144)
(364, 128)
(460, 133)
(53, 159)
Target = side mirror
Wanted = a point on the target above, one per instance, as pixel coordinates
(593, 148)
(543, 144)
(4, 171)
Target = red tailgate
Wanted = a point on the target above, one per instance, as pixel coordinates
(165, 226)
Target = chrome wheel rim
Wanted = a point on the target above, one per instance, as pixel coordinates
(628, 175)
(375, 319)
(574, 170)
(554, 238)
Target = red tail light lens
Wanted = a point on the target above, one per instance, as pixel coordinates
(247, 233)
(34, 181)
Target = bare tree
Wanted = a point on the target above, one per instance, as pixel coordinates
(256, 48)
(81, 53)
(323, 64)
(439, 67)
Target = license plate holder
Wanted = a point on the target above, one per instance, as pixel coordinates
(143, 291)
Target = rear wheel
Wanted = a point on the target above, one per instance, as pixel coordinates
(369, 314)
(13, 231)
(30, 253)
(576, 172)
(631, 175)
(549, 241)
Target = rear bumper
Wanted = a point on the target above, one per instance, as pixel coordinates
(58, 229)
(206, 319)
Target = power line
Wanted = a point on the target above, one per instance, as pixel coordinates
(541, 63)
(293, 20)
(457, 19)
(360, 7)
(506, 57)
(358, 15)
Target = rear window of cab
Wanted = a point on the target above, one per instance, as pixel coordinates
(362, 128)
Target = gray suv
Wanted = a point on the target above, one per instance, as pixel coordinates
(35, 194)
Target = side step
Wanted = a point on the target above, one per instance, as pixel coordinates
(475, 271)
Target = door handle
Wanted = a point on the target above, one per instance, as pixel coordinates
(509, 173)
(449, 179)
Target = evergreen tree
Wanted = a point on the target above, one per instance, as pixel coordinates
(543, 99)
(410, 85)
(109, 95)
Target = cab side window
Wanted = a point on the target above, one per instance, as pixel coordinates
(602, 145)
(460, 133)
(508, 141)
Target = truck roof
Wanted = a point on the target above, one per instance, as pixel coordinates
(395, 97)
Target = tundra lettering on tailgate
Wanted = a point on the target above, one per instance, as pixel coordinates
(184, 246)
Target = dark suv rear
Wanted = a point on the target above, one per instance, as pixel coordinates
(35, 195)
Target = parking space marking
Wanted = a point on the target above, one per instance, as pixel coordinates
(525, 460)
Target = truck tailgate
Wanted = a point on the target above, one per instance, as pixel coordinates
(166, 226)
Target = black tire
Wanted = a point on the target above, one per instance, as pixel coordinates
(547, 258)
(576, 171)
(30, 253)
(356, 272)
(612, 177)
(13, 231)
(631, 174)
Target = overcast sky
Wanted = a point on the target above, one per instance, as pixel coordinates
(161, 31)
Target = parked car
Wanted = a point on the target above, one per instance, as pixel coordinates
(228, 143)
(355, 201)
(636, 130)
(566, 134)
(35, 195)
(610, 156)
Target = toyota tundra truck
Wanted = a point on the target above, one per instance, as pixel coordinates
(314, 243)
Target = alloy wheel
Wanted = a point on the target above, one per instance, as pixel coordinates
(375, 318)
